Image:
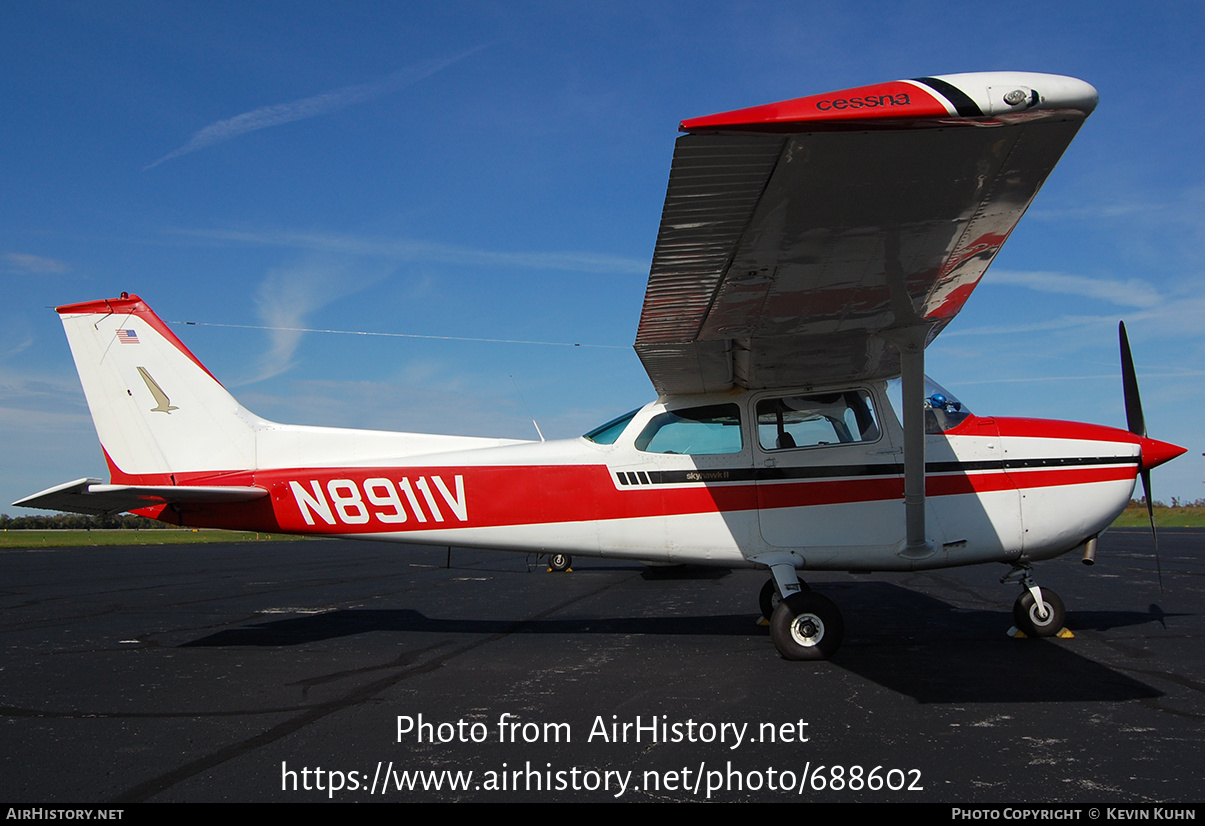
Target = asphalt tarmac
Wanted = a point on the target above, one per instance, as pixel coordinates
(356, 671)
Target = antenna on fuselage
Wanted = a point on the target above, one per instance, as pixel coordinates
(528, 409)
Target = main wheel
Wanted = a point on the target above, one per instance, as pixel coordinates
(769, 597)
(1030, 620)
(806, 626)
(559, 562)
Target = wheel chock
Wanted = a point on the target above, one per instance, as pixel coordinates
(1018, 634)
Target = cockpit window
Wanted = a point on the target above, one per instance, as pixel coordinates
(816, 419)
(694, 431)
(607, 434)
(942, 410)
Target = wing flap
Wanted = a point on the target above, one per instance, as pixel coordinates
(715, 184)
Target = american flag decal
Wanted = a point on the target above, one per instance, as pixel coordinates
(127, 336)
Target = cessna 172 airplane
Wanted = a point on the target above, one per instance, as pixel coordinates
(809, 251)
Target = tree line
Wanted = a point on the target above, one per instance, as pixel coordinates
(1177, 502)
(79, 522)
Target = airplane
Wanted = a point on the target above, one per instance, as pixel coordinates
(808, 253)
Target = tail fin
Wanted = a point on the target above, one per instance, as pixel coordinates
(157, 410)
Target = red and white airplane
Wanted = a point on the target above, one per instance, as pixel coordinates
(809, 251)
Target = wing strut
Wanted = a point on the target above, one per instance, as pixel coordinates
(911, 344)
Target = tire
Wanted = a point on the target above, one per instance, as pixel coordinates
(1025, 614)
(559, 562)
(807, 626)
(769, 597)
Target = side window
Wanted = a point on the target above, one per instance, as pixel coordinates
(694, 431)
(815, 420)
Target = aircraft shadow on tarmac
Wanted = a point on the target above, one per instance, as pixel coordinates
(908, 642)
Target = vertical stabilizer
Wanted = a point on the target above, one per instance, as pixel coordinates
(157, 410)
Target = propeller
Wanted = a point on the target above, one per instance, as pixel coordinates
(1136, 423)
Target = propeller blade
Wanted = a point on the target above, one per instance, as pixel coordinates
(1150, 512)
(1129, 386)
(1136, 422)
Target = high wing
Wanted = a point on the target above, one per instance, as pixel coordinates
(808, 241)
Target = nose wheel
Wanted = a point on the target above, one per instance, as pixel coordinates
(1038, 612)
(559, 562)
(1044, 619)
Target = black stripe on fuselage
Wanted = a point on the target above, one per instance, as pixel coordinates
(778, 474)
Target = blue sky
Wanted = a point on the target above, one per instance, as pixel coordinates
(497, 170)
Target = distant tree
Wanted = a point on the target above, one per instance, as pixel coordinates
(78, 522)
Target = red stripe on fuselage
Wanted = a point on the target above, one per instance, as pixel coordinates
(420, 499)
(492, 497)
(1051, 429)
(845, 491)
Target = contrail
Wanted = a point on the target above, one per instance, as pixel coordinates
(311, 107)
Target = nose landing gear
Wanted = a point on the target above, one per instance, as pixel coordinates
(1038, 612)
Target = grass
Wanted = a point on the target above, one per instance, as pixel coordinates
(164, 536)
(1134, 516)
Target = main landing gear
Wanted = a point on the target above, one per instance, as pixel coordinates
(769, 597)
(559, 562)
(1038, 612)
(803, 625)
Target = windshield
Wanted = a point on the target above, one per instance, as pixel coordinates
(942, 410)
(607, 434)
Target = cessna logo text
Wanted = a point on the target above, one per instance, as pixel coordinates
(381, 499)
(868, 102)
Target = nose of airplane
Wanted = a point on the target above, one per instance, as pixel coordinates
(1155, 452)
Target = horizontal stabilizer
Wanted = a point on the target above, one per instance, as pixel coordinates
(93, 497)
